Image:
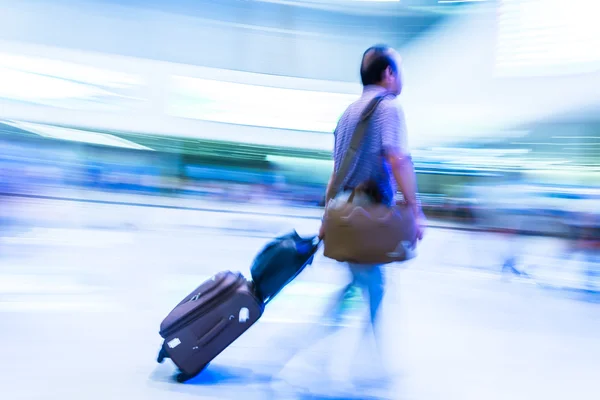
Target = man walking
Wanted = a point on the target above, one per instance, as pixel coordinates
(383, 160)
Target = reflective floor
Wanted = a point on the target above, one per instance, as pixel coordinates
(80, 310)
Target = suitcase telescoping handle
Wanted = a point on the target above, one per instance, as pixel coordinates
(214, 332)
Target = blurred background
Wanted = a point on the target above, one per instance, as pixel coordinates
(144, 138)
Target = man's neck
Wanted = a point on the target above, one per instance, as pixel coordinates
(373, 88)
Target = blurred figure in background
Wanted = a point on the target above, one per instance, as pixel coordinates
(382, 159)
(586, 244)
(511, 235)
(7, 187)
(3, 200)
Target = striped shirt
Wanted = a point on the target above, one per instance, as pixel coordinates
(386, 132)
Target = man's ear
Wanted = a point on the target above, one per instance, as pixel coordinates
(388, 72)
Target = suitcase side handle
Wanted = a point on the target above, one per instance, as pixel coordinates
(214, 332)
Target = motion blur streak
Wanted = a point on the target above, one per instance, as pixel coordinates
(482, 73)
(146, 145)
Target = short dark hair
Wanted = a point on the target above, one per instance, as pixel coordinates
(375, 61)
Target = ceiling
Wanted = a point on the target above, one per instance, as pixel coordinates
(380, 8)
(254, 36)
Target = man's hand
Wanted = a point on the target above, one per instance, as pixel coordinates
(420, 219)
(322, 231)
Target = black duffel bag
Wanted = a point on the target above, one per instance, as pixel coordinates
(280, 261)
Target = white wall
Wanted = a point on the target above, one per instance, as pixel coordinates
(452, 92)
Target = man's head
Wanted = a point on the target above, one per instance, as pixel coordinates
(381, 66)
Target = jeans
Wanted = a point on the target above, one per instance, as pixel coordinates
(371, 281)
(369, 278)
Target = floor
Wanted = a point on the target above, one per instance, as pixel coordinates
(80, 310)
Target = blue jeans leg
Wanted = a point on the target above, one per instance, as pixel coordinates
(370, 278)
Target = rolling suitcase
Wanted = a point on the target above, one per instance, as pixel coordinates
(208, 320)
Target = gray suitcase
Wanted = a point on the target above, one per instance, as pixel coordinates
(207, 321)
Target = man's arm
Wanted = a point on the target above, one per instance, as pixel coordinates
(397, 155)
(404, 175)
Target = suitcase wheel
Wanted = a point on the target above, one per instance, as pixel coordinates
(182, 377)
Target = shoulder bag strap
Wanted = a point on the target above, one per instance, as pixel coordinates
(357, 137)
